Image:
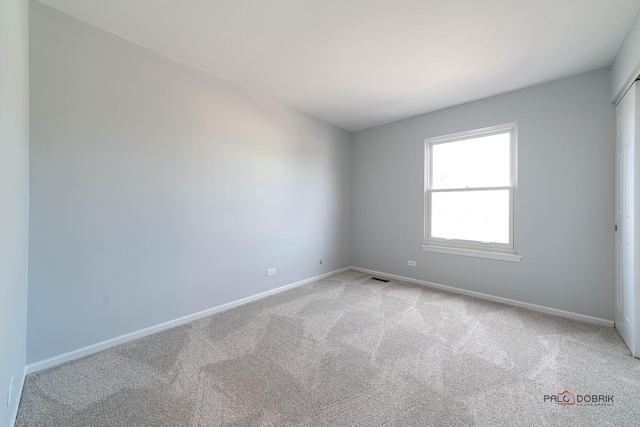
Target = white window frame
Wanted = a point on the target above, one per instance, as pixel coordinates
(500, 251)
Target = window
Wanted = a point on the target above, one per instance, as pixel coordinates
(470, 191)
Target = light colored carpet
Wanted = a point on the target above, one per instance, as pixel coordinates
(348, 351)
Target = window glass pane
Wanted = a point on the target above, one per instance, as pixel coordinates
(476, 162)
(481, 216)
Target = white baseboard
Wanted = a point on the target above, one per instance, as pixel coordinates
(17, 397)
(516, 303)
(94, 348)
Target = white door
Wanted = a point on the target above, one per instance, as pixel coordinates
(625, 218)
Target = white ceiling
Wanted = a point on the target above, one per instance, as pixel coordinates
(361, 63)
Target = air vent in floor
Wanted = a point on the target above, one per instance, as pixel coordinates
(379, 279)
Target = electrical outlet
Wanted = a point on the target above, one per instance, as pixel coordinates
(271, 271)
(411, 263)
(10, 392)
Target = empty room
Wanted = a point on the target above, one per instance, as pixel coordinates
(319, 213)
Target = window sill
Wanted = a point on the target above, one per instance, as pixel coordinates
(472, 253)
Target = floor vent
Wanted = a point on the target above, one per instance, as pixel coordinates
(379, 279)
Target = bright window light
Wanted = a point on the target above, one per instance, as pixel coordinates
(470, 189)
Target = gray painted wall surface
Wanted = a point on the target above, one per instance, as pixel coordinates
(564, 201)
(626, 65)
(158, 191)
(14, 197)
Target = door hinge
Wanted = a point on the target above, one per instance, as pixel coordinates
(615, 227)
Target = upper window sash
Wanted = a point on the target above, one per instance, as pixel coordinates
(510, 128)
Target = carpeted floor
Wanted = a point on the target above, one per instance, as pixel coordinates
(348, 351)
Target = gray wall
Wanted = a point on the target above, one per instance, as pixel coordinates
(626, 65)
(564, 201)
(158, 191)
(14, 197)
